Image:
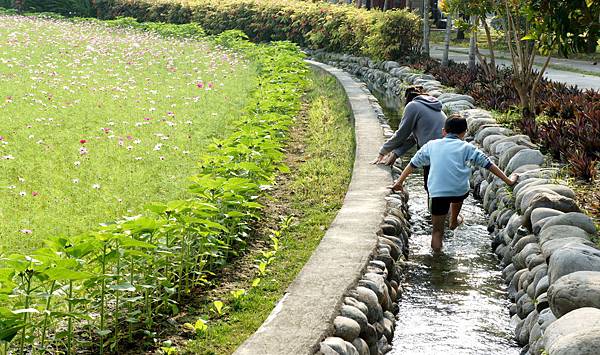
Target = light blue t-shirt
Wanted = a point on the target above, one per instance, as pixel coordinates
(448, 157)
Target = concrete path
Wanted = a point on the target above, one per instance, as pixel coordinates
(305, 314)
(583, 81)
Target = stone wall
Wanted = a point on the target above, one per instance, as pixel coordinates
(546, 245)
(366, 322)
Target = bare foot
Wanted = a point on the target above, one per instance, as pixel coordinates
(459, 221)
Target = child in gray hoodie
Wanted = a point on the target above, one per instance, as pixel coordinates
(423, 120)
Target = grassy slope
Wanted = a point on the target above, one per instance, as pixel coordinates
(134, 97)
(321, 157)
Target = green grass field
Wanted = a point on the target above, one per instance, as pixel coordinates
(97, 121)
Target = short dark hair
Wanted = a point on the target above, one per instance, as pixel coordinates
(455, 124)
(413, 91)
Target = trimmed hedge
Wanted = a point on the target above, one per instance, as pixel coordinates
(382, 35)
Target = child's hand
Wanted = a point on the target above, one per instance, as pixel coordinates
(397, 186)
(513, 179)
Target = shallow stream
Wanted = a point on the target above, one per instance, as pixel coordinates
(455, 302)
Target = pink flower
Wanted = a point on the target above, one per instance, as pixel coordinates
(210, 85)
(200, 85)
(83, 151)
(1, 138)
(26, 231)
(83, 141)
(106, 129)
(34, 193)
(147, 118)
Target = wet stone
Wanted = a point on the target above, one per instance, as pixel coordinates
(571, 258)
(575, 290)
(361, 346)
(350, 301)
(346, 328)
(355, 314)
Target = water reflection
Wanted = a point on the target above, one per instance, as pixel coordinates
(455, 302)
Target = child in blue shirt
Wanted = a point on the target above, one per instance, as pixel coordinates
(449, 174)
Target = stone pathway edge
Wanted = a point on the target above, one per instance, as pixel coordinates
(304, 315)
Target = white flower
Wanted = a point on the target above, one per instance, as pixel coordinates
(21, 179)
(138, 158)
(157, 147)
(12, 187)
(26, 231)
(8, 157)
(186, 152)
(22, 193)
(161, 158)
(83, 151)
(137, 141)
(96, 186)
(75, 181)
(129, 147)
(77, 163)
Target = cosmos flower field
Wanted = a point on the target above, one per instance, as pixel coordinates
(96, 121)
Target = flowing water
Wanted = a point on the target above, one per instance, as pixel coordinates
(455, 302)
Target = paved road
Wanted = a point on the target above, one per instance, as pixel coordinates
(572, 78)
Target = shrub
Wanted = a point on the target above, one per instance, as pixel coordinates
(383, 35)
(63, 7)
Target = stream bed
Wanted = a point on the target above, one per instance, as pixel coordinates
(454, 302)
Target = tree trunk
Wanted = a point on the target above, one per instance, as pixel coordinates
(386, 5)
(592, 43)
(473, 42)
(447, 40)
(426, 11)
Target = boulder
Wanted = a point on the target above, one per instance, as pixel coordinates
(523, 157)
(487, 131)
(508, 154)
(334, 346)
(489, 140)
(541, 213)
(575, 219)
(346, 328)
(549, 200)
(575, 290)
(562, 231)
(541, 286)
(369, 298)
(575, 333)
(524, 197)
(361, 346)
(355, 314)
(452, 97)
(476, 123)
(351, 301)
(524, 183)
(549, 247)
(572, 258)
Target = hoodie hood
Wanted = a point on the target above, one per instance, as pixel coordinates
(429, 101)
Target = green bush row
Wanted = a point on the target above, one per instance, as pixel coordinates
(108, 286)
(346, 29)
(64, 7)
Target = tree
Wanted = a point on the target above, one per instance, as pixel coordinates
(443, 5)
(478, 11)
(426, 11)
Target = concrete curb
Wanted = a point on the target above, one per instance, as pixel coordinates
(304, 316)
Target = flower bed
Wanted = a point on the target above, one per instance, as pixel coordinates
(111, 283)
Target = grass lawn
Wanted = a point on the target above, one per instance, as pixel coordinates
(321, 156)
(97, 121)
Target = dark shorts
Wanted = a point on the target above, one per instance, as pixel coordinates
(441, 205)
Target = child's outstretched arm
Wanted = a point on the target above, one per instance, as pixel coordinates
(499, 173)
(407, 171)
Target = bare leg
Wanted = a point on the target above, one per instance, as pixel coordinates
(454, 213)
(438, 232)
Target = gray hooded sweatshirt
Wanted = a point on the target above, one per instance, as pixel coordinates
(423, 120)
